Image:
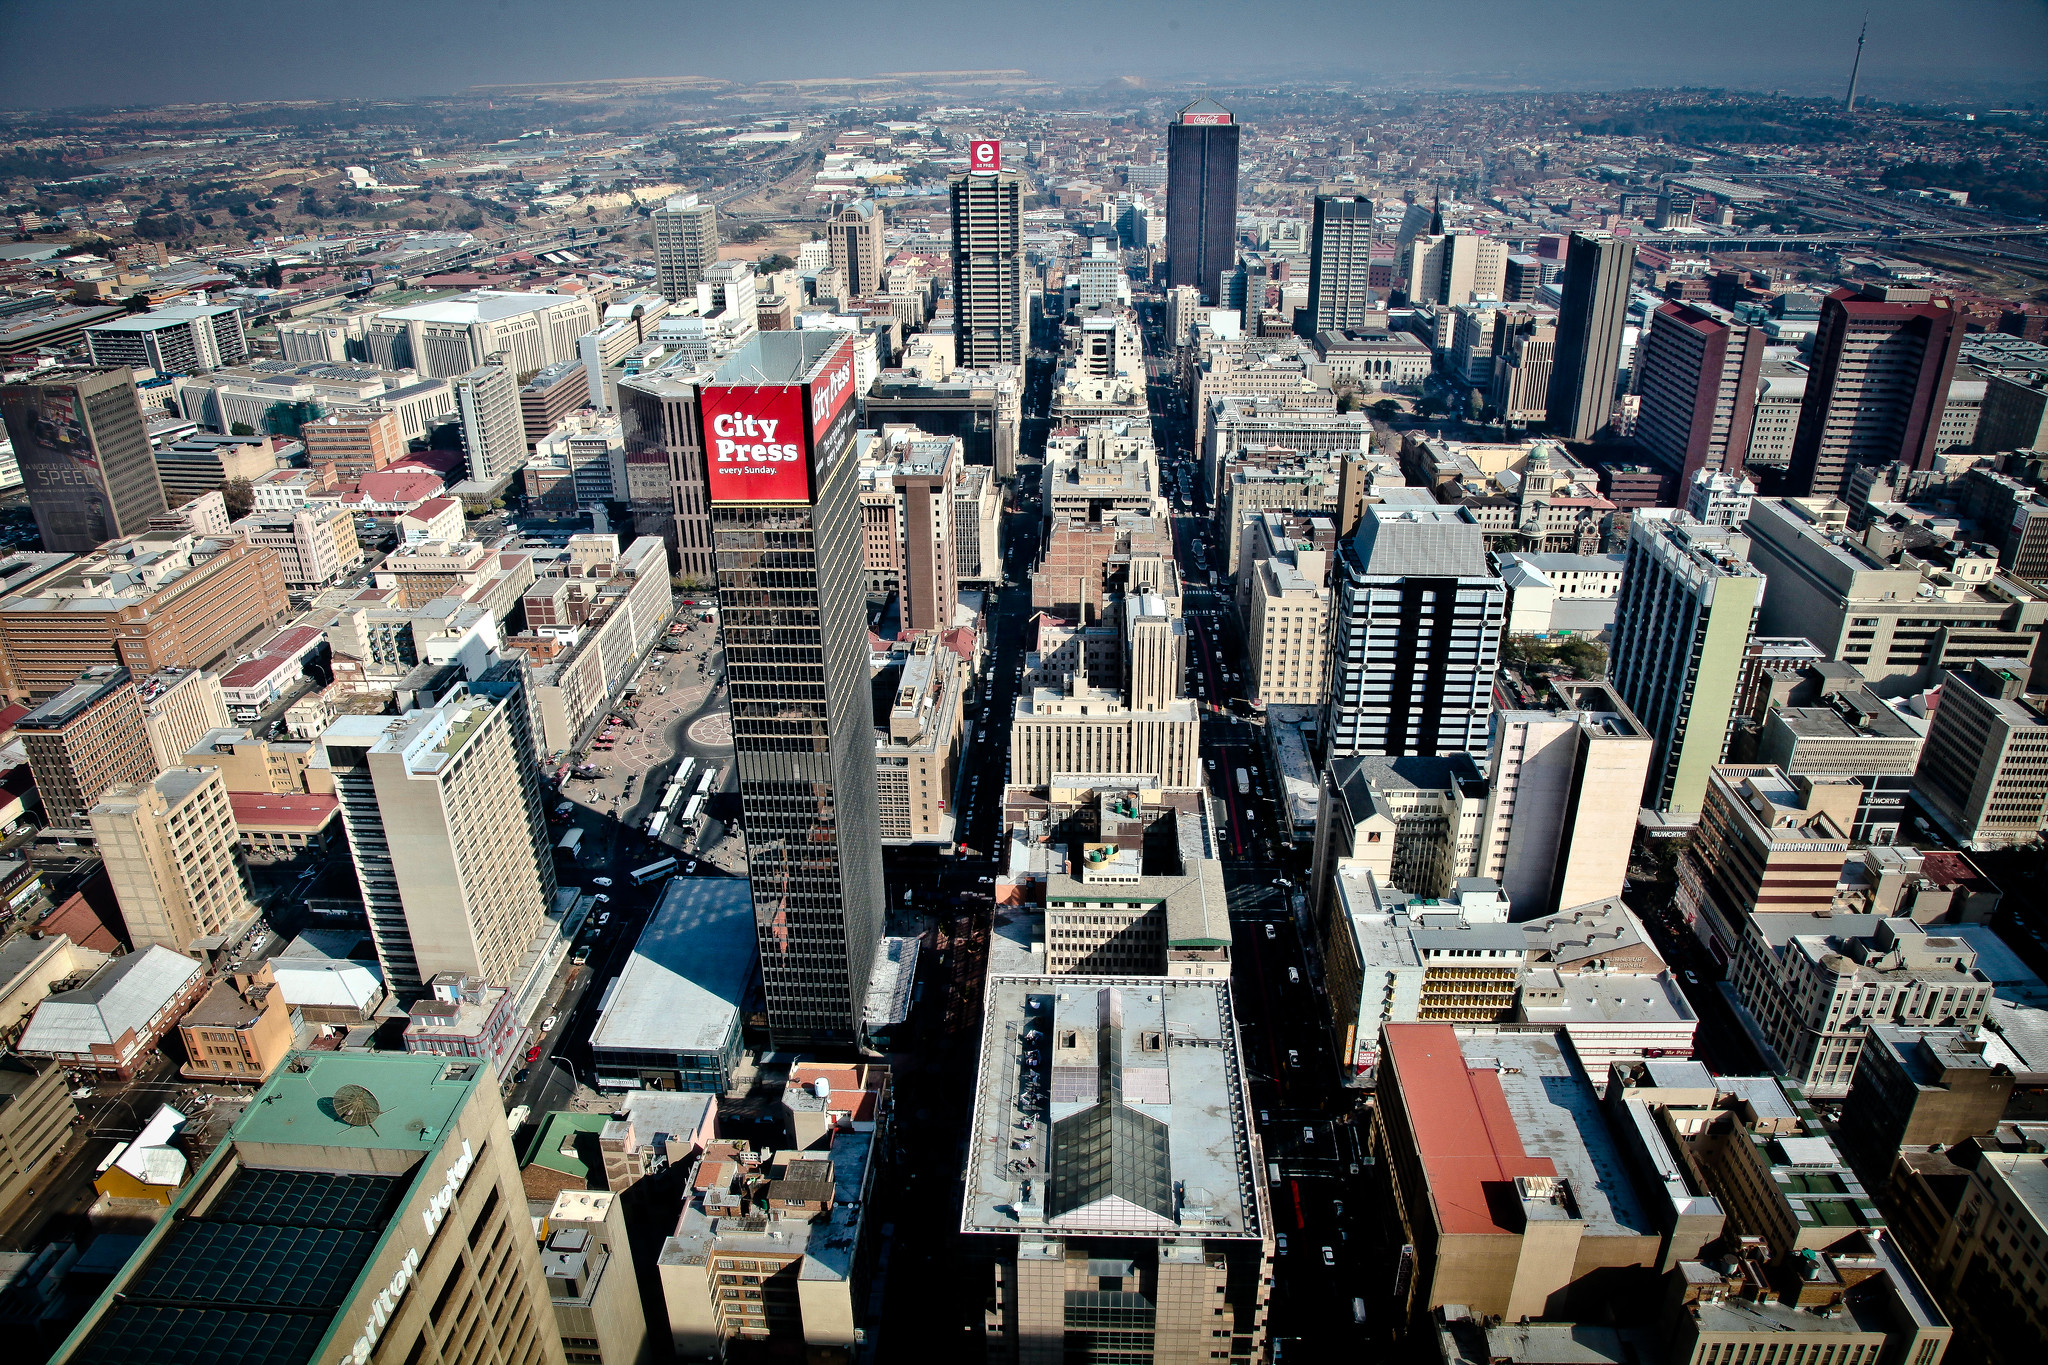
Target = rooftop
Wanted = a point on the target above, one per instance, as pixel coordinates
(689, 974)
(1145, 1069)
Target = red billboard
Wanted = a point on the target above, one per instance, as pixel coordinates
(984, 156)
(754, 442)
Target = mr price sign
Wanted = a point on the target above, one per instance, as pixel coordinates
(984, 156)
(754, 443)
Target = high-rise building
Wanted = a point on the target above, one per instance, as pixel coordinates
(1139, 1207)
(445, 821)
(1455, 268)
(1697, 371)
(1201, 198)
(171, 340)
(925, 472)
(1287, 640)
(1518, 387)
(1340, 263)
(169, 848)
(179, 705)
(82, 741)
(366, 1208)
(589, 1264)
(1688, 606)
(1562, 796)
(1589, 325)
(685, 243)
(1984, 769)
(493, 433)
(1877, 384)
(665, 464)
(854, 236)
(83, 450)
(991, 319)
(1416, 634)
(778, 424)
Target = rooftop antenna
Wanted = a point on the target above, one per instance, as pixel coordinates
(1856, 71)
(355, 1106)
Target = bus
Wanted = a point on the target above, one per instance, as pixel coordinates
(571, 845)
(653, 871)
(710, 776)
(1244, 783)
(656, 825)
(691, 811)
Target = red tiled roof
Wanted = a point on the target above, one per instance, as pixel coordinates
(1463, 1130)
(432, 507)
(272, 810)
(9, 716)
(91, 918)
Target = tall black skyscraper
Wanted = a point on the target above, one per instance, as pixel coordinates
(991, 324)
(83, 448)
(1201, 197)
(1594, 309)
(778, 422)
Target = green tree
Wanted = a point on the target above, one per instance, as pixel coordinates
(770, 264)
(241, 429)
(240, 498)
(1386, 409)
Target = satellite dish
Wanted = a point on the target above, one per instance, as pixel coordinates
(357, 1107)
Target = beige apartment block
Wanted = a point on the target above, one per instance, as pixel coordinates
(1290, 629)
(179, 705)
(169, 846)
(589, 1265)
(87, 738)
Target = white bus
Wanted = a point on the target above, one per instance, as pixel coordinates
(1244, 783)
(653, 871)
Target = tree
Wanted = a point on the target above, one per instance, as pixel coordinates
(748, 232)
(273, 276)
(241, 429)
(770, 264)
(1386, 409)
(240, 498)
(1475, 405)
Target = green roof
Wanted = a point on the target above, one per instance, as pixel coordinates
(416, 1098)
(546, 1147)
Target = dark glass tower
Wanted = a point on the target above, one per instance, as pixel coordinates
(1201, 197)
(1587, 359)
(778, 423)
(83, 448)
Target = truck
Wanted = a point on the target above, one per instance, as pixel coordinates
(1244, 783)
(571, 846)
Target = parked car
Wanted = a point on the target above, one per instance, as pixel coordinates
(601, 881)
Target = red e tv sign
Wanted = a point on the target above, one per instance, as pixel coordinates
(984, 156)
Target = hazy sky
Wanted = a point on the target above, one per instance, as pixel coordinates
(75, 52)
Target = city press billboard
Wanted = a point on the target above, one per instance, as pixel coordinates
(776, 442)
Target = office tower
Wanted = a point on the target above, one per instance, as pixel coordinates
(778, 420)
(1288, 640)
(83, 450)
(665, 465)
(1201, 198)
(169, 847)
(364, 1208)
(1696, 372)
(83, 740)
(1455, 268)
(854, 236)
(1340, 263)
(1984, 769)
(350, 445)
(444, 818)
(1688, 606)
(983, 408)
(925, 473)
(685, 244)
(178, 706)
(1589, 324)
(171, 340)
(1139, 1206)
(991, 319)
(1521, 277)
(1562, 794)
(1416, 636)
(1524, 343)
(493, 436)
(1878, 379)
(1674, 210)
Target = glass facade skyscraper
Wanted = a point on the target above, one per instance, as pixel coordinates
(1201, 198)
(83, 447)
(778, 420)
